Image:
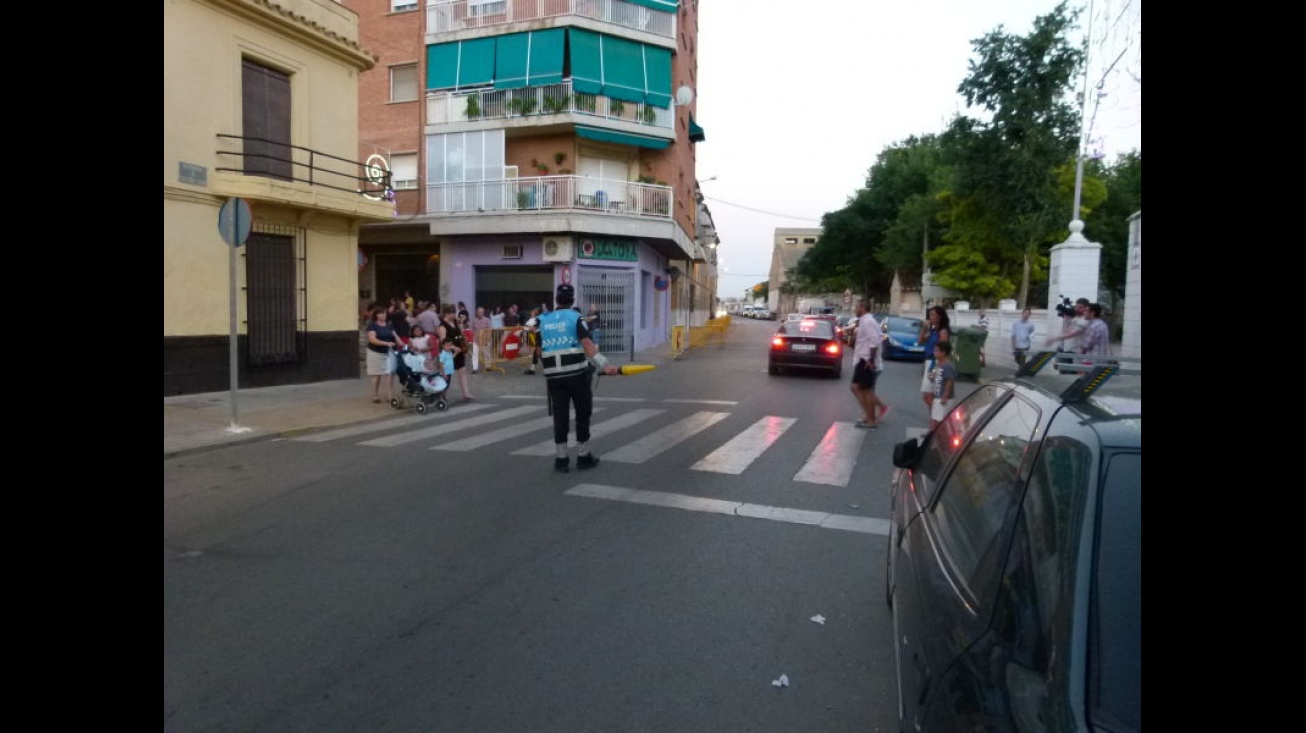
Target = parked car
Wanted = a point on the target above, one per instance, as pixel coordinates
(764, 314)
(1014, 561)
(899, 338)
(808, 343)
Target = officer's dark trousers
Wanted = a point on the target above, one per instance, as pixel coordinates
(563, 392)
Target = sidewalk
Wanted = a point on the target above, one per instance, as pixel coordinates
(198, 422)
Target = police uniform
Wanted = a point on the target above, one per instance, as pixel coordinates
(567, 372)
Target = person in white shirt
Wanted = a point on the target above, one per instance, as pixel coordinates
(1022, 337)
(866, 369)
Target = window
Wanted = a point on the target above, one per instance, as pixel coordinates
(975, 502)
(947, 438)
(791, 240)
(1115, 674)
(809, 240)
(403, 170)
(401, 6)
(512, 252)
(265, 121)
(483, 8)
(403, 83)
(273, 261)
(459, 169)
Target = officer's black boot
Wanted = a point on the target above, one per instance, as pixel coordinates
(587, 460)
(560, 464)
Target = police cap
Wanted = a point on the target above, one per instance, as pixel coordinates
(566, 293)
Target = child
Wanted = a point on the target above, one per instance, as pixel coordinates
(945, 377)
(441, 383)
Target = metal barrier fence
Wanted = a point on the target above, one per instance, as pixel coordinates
(496, 347)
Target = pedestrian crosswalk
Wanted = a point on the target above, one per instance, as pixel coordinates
(622, 434)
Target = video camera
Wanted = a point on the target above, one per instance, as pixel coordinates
(1065, 308)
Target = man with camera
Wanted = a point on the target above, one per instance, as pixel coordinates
(1074, 322)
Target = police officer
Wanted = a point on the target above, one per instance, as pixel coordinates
(567, 352)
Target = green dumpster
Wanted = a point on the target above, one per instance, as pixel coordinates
(966, 345)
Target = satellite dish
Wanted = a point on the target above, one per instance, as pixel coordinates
(684, 96)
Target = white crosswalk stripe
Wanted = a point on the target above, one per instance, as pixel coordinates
(659, 440)
(834, 457)
(743, 449)
(502, 434)
(830, 463)
(607, 427)
(452, 426)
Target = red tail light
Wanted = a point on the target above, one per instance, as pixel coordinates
(833, 348)
(777, 342)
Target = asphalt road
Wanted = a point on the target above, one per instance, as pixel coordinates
(444, 578)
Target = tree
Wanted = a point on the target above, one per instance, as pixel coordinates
(1004, 206)
(882, 228)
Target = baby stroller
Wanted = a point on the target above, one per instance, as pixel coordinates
(421, 389)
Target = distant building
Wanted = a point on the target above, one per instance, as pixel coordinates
(788, 247)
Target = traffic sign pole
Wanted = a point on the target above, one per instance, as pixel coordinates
(234, 223)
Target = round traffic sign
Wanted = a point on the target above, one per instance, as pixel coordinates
(234, 221)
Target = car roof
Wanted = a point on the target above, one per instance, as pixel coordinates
(807, 327)
(1114, 409)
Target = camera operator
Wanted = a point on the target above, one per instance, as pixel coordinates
(1074, 322)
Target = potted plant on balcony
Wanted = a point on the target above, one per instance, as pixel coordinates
(473, 107)
(559, 157)
(554, 105)
(616, 107)
(543, 168)
(649, 114)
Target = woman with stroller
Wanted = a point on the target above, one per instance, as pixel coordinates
(381, 338)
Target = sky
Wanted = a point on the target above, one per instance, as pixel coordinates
(799, 98)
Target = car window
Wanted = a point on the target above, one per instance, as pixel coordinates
(942, 444)
(1036, 613)
(976, 500)
(808, 327)
(1115, 665)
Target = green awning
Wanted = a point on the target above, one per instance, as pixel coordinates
(696, 134)
(442, 66)
(623, 69)
(476, 62)
(657, 69)
(586, 61)
(622, 138)
(546, 53)
(510, 55)
(667, 5)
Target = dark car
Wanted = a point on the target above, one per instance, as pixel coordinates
(1014, 560)
(809, 343)
(900, 334)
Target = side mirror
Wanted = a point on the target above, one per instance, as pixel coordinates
(907, 453)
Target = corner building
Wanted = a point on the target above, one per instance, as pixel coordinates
(535, 142)
(260, 104)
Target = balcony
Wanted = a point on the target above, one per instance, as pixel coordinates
(444, 16)
(581, 194)
(551, 99)
(269, 170)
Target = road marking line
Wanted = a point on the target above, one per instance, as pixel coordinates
(832, 461)
(373, 427)
(495, 436)
(702, 402)
(740, 452)
(654, 443)
(620, 422)
(824, 520)
(450, 427)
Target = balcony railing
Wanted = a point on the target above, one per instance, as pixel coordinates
(256, 156)
(550, 99)
(546, 193)
(443, 16)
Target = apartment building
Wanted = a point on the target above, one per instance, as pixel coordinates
(536, 142)
(260, 105)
